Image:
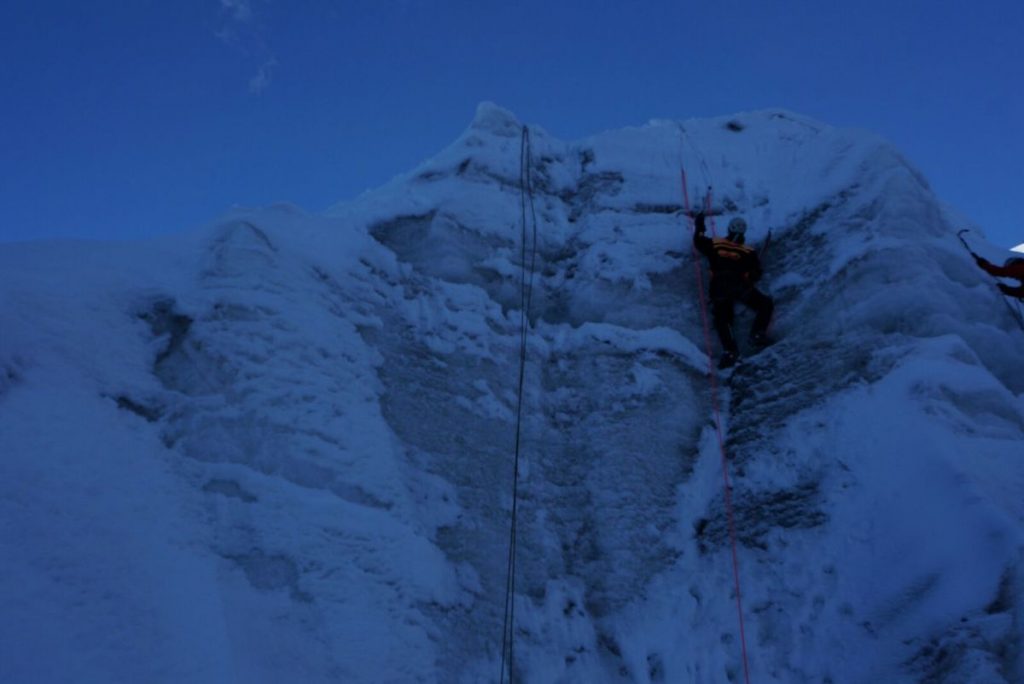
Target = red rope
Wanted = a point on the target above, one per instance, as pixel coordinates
(718, 427)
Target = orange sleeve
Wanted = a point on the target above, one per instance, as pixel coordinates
(1015, 270)
(990, 268)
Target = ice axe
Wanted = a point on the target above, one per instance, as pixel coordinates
(767, 243)
(960, 236)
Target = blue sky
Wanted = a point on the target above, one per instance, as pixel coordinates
(132, 119)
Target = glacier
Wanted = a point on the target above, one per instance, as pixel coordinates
(279, 448)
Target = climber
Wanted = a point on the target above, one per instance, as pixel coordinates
(1013, 268)
(735, 268)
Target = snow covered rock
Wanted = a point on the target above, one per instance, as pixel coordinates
(280, 449)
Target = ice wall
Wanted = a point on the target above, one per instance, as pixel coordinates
(280, 448)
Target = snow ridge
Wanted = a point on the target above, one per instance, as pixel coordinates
(280, 448)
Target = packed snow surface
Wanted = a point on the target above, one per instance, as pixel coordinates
(279, 449)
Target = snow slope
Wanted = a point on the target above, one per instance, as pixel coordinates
(279, 448)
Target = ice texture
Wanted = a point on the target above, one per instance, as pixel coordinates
(280, 448)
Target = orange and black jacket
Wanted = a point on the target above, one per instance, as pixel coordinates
(734, 267)
(1015, 269)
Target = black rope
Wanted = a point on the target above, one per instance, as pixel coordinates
(525, 300)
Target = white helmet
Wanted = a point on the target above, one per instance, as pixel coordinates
(737, 226)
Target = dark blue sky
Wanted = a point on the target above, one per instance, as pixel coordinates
(129, 119)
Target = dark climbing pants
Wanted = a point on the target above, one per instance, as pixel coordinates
(722, 309)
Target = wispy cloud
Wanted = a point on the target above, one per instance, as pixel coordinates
(240, 10)
(241, 30)
(259, 82)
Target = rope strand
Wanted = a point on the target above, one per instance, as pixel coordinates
(718, 429)
(527, 209)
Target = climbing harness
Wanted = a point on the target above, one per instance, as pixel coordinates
(718, 420)
(527, 211)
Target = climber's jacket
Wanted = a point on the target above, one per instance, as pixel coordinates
(734, 267)
(1014, 268)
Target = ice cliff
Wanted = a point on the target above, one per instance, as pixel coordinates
(279, 448)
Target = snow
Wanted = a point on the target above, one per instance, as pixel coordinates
(279, 448)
